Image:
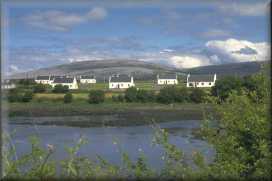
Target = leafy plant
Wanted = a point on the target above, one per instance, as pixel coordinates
(96, 96)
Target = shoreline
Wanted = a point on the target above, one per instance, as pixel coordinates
(106, 114)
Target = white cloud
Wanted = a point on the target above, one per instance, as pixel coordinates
(166, 50)
(233, 49)
(188, 61)
(245, 9)
(97, 13)
(62, 21)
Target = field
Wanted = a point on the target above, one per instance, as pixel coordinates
(185, 110)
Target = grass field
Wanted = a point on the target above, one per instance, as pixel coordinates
(84, 108)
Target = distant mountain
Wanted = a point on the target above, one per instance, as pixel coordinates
(102, 68)
(239, 69)
(139, 69)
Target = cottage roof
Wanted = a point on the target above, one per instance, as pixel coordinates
(120, 78)
(201, 78)
(59, 80)
(43, 77)
(87, 77)
(167, 76)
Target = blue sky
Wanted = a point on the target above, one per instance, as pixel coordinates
(183, 34)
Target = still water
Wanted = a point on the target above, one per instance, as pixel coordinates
(102, 140)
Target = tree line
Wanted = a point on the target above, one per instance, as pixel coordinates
(167, 95)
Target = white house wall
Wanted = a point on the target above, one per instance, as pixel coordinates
(42, 81)
(88, 81)
(167, 81)
(200, 84)
(120, 85)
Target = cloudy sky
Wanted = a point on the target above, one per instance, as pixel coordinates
(182, 34)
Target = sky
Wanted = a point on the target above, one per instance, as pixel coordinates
(181, 34)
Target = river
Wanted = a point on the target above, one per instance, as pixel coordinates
(102, 140)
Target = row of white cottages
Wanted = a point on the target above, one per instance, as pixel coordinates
(126, 81)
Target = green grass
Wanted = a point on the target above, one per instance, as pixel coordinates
(96, 86)
(58, 108)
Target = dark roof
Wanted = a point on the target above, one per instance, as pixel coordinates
(60, 80)
(87, 77)
(201, 78)
(42, 77)
(121, 78)
(167, 76)
(52, 77)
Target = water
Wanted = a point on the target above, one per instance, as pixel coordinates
(131, 139)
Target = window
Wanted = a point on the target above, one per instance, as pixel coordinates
(210, 83)
(190, 84)
(197, 83)
(202, 83)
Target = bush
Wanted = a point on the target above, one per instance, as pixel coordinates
(167, 95)
(61, 88)
(225, 86)
(68, 98)
(131, 94)
(13, 95)
(39, 88)
(96, 96)
(145, 96)
(197, 95)
(118, 98)
(182, 95)
(27, 96)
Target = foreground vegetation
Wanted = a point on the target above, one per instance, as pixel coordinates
(240, 138)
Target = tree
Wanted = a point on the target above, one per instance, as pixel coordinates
(242, 135)
(39, 88)
(96, 96)
(68, 98)
(223, 87)
(131, 94)
(61, 88)
(197, 95)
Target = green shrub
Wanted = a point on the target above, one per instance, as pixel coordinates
(39, 88)
(61, 88)
(145, 96)
(68, 98)
(197, 95)
(167, 95)
(27, 96)
(13, 95)
(118, 98)
(223, 87)
(131, 94)
(96, 96)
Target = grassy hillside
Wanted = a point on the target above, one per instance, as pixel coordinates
(103, 69)
(239, 69)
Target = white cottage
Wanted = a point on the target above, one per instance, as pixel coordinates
(167, 79)
(68, 81)
(201, 80)
(43, 79)
(7, 84)
(87, 79)
(121, 82)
